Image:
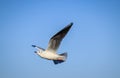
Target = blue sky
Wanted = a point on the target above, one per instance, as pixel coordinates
(93, 43)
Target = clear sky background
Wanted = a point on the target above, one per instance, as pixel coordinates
(93, 43)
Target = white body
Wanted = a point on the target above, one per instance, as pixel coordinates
(50, 55)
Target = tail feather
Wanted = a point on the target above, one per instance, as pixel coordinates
(60, 61)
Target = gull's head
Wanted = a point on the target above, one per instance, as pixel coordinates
(38, 52)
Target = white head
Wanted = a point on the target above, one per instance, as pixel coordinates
(40, 50)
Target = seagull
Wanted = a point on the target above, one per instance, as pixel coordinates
(50, 53)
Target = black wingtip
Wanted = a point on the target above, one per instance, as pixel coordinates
(35, 51)
(71, 23)
(33, 45)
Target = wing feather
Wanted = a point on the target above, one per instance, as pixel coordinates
(57, 38)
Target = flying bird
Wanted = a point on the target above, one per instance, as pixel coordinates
(50, 52)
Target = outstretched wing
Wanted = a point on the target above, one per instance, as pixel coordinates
(57, 38)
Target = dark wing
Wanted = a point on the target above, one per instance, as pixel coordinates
(57, 38)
